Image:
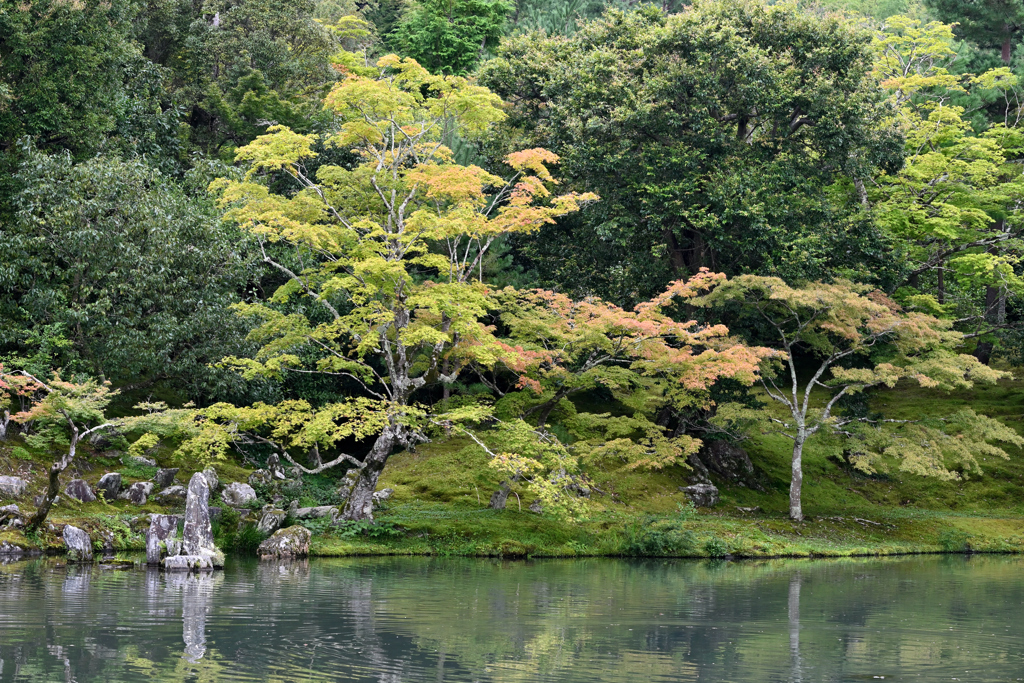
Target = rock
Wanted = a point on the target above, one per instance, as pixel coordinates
(139, 460)
(8, 549)
(11, 516)
(274, 466)
(702, 495)
(314, 513)
(382, 495)
(138, 492)
(188, 563)
(725, 460)
(172, 495)
(109, 485)
(8, 510)
(197, 538)
(80, 490)
(260, 478)
(165, 477)
(536, 507)
(237, 494)
(12, 487)
(212, 480)
(270, 520)
(215, 513)
(78, 543)
(162, 538)
(285, 543)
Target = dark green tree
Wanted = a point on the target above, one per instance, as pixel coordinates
(993, 24)
(450, 36)
(111, 269)
(722, 136)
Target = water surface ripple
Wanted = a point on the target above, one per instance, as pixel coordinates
(448, 619)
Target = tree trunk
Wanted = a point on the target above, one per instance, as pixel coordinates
(500, 497)
(5, 420)
(941, 274)
(1007, 49)
(360, 501)
(797, 478)
(53, 486)
(995, 313)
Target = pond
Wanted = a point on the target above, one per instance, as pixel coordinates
(453, 619)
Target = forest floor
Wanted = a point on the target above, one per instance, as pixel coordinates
(439, 504)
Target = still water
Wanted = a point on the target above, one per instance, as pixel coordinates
(440, 619)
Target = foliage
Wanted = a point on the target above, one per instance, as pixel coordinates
(135, 291)
(450, 36)
(859, 338)
(714, 137)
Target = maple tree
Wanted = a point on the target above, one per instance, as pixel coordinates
(858, 338)
(558, 347)
(390, 249)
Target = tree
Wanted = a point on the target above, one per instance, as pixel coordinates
(450, 36)
(954, 207)
(643, 358)
(989, 23)
(856, 338)
(112, 270)
(713, 137)
(388, 251)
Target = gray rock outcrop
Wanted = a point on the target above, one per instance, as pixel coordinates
(165, 477)
(78, 544)
(162, 538)
(725, 460)
(140, 460)
(315, 512)
(9, 514)
(212, 480)
(286, 543)
(12, 487)
(80, 490)
(188, 563)
(138, 492)
(172, 495)
(237, 494)
(271, 519)
(260, 478)
(702, 495)
(109, 486)
(197, 538)
(382, 495)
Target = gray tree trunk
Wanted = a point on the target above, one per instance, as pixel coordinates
(360, 501)
(797, 477)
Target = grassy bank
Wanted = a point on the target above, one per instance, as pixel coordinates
(441, 491)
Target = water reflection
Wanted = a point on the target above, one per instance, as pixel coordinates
(455, 620)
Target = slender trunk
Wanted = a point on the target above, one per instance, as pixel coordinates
(797, 477)
(941, 273)
(995, 310)
(1007, 49)
(53, 486)
(4, 421)
(360, 501)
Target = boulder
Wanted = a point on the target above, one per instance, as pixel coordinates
(80, 490)
(140, 460)
(12, 487)
(237, 494)
(162, 538)
(188, 563)
(212, 480)
(286, 543)
(11, 550)
(78, 544)
(10, 515)
(725, 460)
(215, 513)
(165, 477)
(109, 485)
(702, 495)
(535, 506)
(197, 538)
(173, 495)
(138, 492)
(270, 519)
(260, 478)
(382, 495)
(314, 513)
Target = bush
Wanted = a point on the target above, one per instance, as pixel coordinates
(715, 547)
(649, 538)
(955, 541)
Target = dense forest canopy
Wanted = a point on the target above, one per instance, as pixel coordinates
(330, 230)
